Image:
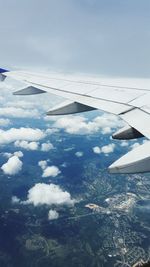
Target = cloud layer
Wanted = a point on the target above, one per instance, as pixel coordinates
(15, 134)
(80, 125)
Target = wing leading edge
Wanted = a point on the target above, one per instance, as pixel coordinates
(130, 103)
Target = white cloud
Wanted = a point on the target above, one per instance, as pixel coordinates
(27, 145)
(15, 200)
(7, 154)
(69, 149)
(52, 171)
(108, 148)
(17, 112)
(14, 134)
(48, 171)
(51, 130)
(4, 122)
(104, 149)
(79, 154)
(124, 143)
(97, 150)
(107, 130)
(53, 215)
(80, 125)
(19, 154)
(49, 194)
(45, 147)
(42, 164)
(12, 166)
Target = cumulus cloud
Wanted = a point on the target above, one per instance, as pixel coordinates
(104, 149)
(17, 112)
(45, 147)
(48, 171)
(7, 154)
(51, 171)
(80, 125)
(15, 134)
(108, 148)
(42, 164)
(124, 143)
(19, 154)
(27, 145)
(12, 166)
(15, 200)
(48, 194)
(96, 150)
(79, 154)
(53, 215)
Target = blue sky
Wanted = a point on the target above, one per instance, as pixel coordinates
(108, 37)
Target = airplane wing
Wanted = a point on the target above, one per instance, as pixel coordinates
(130, 103)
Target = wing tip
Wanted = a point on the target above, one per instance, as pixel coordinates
(3, 70)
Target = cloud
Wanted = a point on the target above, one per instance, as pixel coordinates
(45, 147)
(49, 194)
(80, 125)
(15, 200)
(124, 143)
(53, 215)
(52, 171)
(108, 148)
(7, 155)
(42, 164)
(14, 134)
(96, 150)
(107, 130)
(48, 171)
(16, 112)
(79, 154)
(4, 122)
(19, 154)
(27, 145)
(104, 149)
(12, 166)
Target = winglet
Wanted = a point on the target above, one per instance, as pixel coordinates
(2, 75)
(3, 70)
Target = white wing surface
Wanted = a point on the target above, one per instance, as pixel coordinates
(129, 101)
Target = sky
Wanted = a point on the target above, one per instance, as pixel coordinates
(103, 37)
